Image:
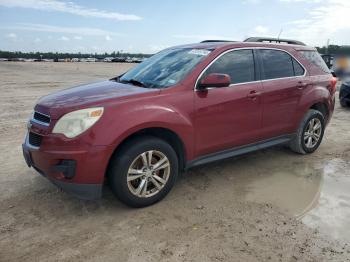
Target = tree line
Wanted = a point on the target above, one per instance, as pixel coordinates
(331, 49)
(52, 55)
(335, 50)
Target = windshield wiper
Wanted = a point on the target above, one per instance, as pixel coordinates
(134, 82)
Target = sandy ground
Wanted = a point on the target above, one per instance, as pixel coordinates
(271, 205)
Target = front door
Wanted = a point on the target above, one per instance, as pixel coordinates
(230, 116)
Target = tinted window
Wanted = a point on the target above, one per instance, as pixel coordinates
(315, 58)
(239, 65)
(276, 64)
(298, 69)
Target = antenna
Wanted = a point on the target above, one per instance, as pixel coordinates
(278, 37)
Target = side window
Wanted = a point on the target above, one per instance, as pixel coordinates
(298, 69)
(239, 65)
(276, 64)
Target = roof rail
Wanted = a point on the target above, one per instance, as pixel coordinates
(274, 40)
(216, 41)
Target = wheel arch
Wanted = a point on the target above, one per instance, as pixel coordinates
(166, 134)
(322, 107)
(317, 98)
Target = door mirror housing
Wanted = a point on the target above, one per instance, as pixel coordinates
(214, 80)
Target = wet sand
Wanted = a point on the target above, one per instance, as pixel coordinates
(270, 205)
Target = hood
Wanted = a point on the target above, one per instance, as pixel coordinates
(89, 95)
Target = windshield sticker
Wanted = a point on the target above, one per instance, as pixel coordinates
(201, 52)
(171, 81)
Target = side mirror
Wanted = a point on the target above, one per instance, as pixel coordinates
(214, 80)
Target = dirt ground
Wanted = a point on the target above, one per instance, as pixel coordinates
(271, 205)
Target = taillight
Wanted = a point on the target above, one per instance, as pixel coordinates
(333, 85)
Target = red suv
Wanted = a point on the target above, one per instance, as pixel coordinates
(185, 106)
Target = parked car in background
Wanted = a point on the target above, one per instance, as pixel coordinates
(90, 59)
(344, 93)
(108, 59)
(183, 107)
(119, 59)
(137, 60)
(129, 60)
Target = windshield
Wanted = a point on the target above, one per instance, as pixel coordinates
(165, 68)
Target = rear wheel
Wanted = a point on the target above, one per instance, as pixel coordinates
(143, 171)
(310, 133)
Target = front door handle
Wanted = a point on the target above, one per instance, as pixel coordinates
(253, 94)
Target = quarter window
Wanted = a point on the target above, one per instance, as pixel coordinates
(298, 69)
(239, 65)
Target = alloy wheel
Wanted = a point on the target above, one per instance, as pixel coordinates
(312, 133)
(148, 174)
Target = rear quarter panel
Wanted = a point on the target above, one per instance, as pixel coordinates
(317, 92)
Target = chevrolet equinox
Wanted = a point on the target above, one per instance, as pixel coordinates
(182, 107)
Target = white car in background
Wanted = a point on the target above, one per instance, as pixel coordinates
(108, 59)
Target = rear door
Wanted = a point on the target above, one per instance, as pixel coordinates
(229, 116)
(283, 80)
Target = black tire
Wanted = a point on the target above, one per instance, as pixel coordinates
(122, 160)
(342, 98)
(343, 103)
(298, 144)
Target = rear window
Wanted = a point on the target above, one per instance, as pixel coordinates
(315, 58)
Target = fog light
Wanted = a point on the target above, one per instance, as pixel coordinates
(66, 167)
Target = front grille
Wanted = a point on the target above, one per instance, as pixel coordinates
(41, 117)
(35, 139)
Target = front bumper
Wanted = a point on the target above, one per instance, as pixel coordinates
(75, 170)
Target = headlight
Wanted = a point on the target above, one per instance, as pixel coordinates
(76, 122)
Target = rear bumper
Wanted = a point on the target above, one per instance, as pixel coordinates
(77, 171)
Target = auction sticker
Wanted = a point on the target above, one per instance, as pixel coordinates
(202, 52)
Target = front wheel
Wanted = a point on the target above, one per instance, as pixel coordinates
(143, 171)
(310, 133)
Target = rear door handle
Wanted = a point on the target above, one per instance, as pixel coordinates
(253, 94)
(302, 85)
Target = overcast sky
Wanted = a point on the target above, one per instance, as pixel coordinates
(148, 26)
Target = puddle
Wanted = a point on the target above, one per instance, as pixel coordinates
(332, 214)
(318, 195)
(294, 193)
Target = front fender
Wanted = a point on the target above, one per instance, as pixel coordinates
(129, 119)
